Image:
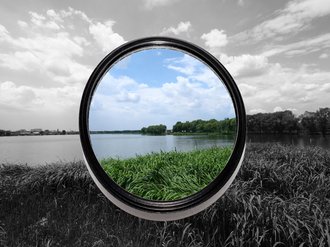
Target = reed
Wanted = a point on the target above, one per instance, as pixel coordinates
(168, 175)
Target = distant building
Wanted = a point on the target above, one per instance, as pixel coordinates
(36, 131)
(24, 132)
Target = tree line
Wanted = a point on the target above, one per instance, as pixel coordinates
(154, 130)
(268, 123)
(225, 126)
(41, 132)
(282, 122)
(286, 122)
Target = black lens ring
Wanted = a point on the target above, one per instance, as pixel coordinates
(148, 208)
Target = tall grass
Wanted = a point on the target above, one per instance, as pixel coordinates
(168, 175)
(280, 197)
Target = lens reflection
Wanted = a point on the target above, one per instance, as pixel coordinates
(162, 124)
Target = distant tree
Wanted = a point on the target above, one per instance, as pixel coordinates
(323, 119)
(63, 132)
(309, 124)
(177, 127)
(154, 130)
(277, 122)
(206, 126)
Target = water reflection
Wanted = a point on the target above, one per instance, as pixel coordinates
(296, 140)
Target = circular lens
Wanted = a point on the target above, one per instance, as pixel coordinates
(162, 126)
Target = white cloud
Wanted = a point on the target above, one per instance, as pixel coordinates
(53, 56)
(247, 90)
(22, 97)
(186, 65)
(255, 111)
(29, 107)
(51, 61)
(22, 24)
(193, 70)
(52, 48)
(41, 21)
(325, 87)
(215, 38)
(305, 46)
(179, 100)
(71, 12)
(241, 3)
(39, 99)
(55, 16)
(105, 36)
(18, 60)
(245, 65)
(295, 17)
(266, 85)
(182, 27)
(323, 56)
(128, 97)
(295, 89)
(150, 4)
(4, 34)
(277, 108)
(123, 103)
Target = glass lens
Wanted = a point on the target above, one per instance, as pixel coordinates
(162, 124)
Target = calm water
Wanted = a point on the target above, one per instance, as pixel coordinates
(123, 146)
(300, 141)
(36, 150)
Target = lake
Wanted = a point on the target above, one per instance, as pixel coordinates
(300, 141)
(35, 150)
(129, 145)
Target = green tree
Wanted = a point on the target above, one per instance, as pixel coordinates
(154, 130)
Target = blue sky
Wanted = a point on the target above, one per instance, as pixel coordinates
(147, 67)
(158, 86)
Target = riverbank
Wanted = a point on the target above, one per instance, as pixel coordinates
(281, 196)
(168, 175)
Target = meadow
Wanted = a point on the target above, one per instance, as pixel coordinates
(168, 175)
(280, 197)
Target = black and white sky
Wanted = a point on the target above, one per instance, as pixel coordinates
(277, 51)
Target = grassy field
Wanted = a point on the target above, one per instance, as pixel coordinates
(168, 175)
(281, 197)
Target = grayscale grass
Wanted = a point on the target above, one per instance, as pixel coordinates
(280, 197)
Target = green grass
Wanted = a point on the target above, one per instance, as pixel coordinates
(280, 197)
(168, 175)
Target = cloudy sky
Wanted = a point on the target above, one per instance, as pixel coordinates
(277, 51)
(158, 86)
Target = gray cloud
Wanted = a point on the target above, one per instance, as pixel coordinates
(295, 17)
(182, 27)
(279, 54)
(150, 4)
